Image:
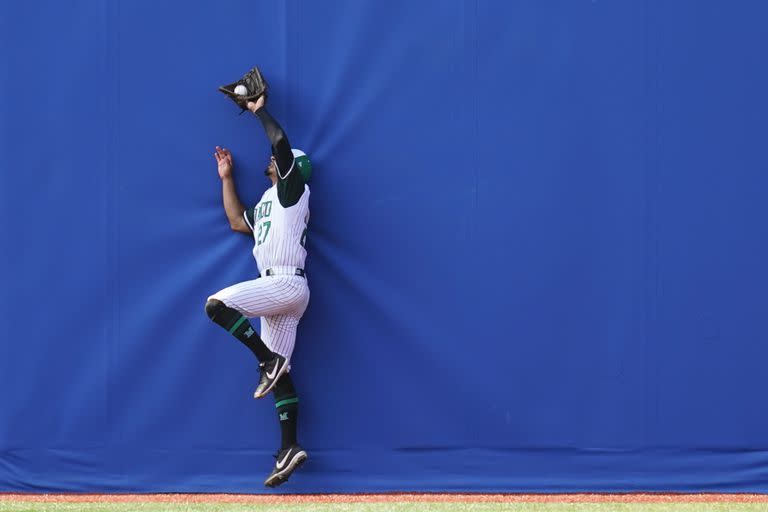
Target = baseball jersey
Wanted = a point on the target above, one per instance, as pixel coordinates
(279, 232)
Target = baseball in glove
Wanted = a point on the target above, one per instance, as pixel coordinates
(253, 85)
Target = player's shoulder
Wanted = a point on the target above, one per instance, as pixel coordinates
(271, 191)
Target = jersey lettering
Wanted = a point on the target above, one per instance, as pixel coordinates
(263, 210)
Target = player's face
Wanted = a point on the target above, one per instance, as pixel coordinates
(271, 168)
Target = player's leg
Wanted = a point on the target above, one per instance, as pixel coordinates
(231, 306)
(271, 364)
(266, 296)
(282, 333)
(280, 336)
(291, 455)
(282, 301)
(238, 326)
(287, 406)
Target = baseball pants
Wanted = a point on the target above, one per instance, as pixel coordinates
(279, 300)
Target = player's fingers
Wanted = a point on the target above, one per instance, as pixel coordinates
(218, 158)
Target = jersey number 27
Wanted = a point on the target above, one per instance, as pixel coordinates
(261, 236)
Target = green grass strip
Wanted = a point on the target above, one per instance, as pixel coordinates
(21, 506)
(287, 401)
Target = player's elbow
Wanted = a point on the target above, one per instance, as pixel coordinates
(239, 226)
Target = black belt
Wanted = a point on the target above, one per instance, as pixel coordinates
(270, 272)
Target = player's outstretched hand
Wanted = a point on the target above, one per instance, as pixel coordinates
(253, 106)
(224, 160)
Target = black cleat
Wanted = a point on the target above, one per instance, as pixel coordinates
(288, 461)
(270, 372)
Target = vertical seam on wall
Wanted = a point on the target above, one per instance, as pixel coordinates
(656, 218)
(292, 46)
(6, 240)
(476, 105)
(110, 214)
(284, 93)
(651, 273)
(299, 58)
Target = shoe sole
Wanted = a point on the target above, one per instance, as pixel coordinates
(280, 373)
(282, 477)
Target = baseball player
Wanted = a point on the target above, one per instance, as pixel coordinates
(279, 296)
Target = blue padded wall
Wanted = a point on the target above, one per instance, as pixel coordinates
(536, 253)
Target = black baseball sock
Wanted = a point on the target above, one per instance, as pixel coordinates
(287, 405)
(239, 327)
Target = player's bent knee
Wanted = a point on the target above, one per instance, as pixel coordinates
(223, 315)
(213, 307)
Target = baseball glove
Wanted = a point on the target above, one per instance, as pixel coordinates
(255, 85)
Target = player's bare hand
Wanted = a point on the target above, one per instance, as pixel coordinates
(253, 106)
(224, 161)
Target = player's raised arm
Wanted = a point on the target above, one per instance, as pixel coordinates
(290, 183)
(232, 205)
(281, 148)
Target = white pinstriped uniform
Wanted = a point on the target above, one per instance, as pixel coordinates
(280, 300)
(278, 232)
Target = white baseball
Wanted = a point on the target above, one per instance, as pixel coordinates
(241, 90)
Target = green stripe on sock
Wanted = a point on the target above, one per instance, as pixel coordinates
(237, 324)
(287, 401)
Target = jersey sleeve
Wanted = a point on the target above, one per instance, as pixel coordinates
(290, 188)
(290, 183)
(281, 148)
(249, 214)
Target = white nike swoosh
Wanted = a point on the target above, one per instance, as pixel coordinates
(274, 372)
(281, 463)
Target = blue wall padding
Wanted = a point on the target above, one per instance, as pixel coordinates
(537, 251)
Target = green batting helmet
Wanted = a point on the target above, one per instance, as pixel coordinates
(301, 160)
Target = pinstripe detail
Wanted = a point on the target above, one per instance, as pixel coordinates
(280, 301)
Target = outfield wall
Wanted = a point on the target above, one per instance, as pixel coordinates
(538, 244)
